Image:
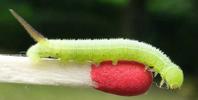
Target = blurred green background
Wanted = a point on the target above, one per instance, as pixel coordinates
(170, 25)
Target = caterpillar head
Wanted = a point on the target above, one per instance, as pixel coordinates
(173, 76)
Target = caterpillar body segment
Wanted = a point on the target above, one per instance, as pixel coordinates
(96, 51)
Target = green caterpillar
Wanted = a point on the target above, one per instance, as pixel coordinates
(96, 51)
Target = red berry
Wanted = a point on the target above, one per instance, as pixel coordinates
(126, 78)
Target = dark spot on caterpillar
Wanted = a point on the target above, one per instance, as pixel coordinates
(50, 57)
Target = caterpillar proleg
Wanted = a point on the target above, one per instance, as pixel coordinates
(96, 51)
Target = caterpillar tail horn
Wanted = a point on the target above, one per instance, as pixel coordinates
(33, 33)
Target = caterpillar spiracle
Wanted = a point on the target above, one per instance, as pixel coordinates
(97, 51)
